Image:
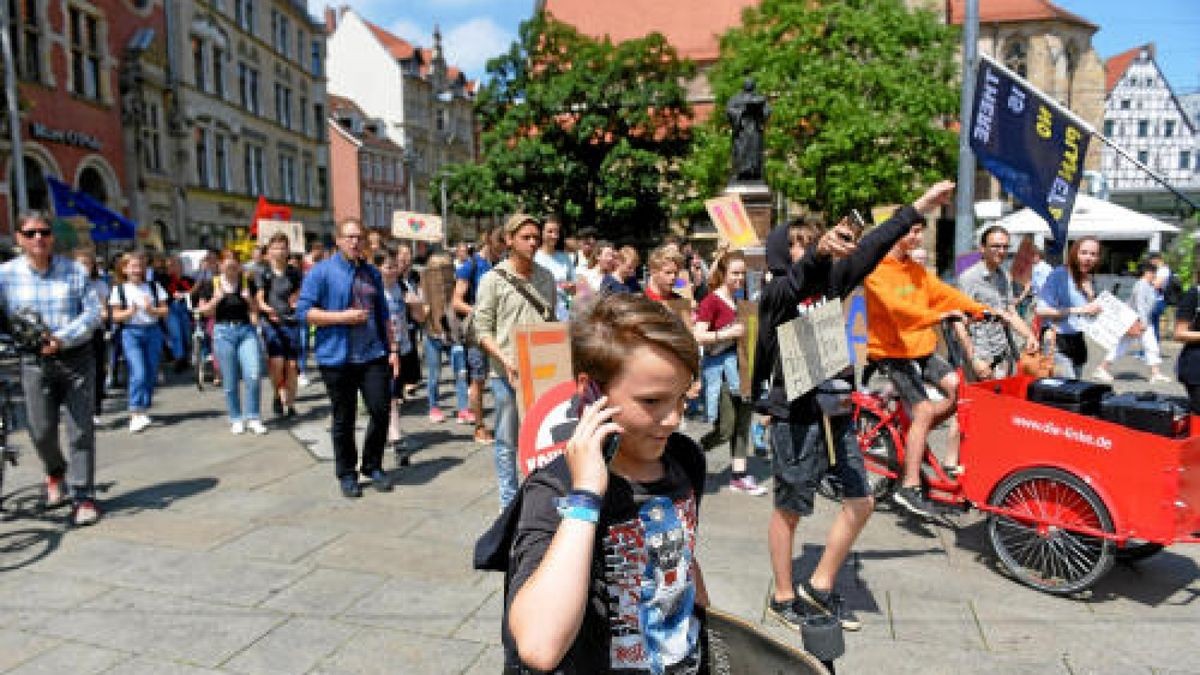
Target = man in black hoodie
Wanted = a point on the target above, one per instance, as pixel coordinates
(831, 269)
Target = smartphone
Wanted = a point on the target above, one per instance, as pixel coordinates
(857, 224)
(591, 394)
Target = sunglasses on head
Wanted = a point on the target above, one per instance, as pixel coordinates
(39, 232)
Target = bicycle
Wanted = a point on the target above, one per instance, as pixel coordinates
(200, 342)
(9, 455)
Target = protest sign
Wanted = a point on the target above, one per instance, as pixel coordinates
(856, 327)
(543, 360)
(1112, 323)
(293, 230)
(437, 285)
(418, 226)
(732, 222)
(747, 314)
(812, 348)
(546, 429)
(1034, 147)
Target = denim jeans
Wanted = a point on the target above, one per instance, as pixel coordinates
(179, 329)
(433, 370)
(343, 384)
(507, 424)
(143, 349)
(240, 359)
(717, 369)
(63, 383)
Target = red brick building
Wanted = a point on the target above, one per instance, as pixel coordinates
(70, 60)
(367, 170)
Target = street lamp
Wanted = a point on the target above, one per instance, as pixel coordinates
(410, 162)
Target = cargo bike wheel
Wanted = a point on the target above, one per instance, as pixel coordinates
(1054, 558)
(878, 449)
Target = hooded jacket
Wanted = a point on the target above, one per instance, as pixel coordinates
(811, 279)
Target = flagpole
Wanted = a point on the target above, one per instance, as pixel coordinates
(964, 206)
(1092, 131)
(14, 117)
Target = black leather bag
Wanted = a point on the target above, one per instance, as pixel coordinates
(1146, 411)
(1077, 396)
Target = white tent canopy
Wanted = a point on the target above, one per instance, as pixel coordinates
(1095, 217)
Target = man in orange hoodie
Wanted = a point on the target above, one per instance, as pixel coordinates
(904, 303)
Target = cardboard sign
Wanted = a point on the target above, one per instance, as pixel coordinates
(437, 285)
(856, 327)
(546, 429)
(683, 308)
(732, 222)
(1112, 323)
(293, 230)
(418, 226)
(812, 348)
(747, 314)
(881, 213)
(543, 361)
(1022, 264)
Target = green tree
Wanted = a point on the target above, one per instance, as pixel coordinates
(861, 95)
(580, 127)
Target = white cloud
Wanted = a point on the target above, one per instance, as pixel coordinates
(469, 45)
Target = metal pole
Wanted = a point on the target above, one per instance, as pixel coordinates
(445, 219)
(14, 116)
(964, 208)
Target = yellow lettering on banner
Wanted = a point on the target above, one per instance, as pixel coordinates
(1056, 213)
(1045, 122)
(1070, 161)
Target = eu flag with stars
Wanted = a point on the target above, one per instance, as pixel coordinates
(107, 225)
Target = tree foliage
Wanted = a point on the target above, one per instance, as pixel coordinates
(580, 127)
(861, 92)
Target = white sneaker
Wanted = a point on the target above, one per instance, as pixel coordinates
(302, 381)
(1101, 374)
(257, 427)
(237, 428)
(138, 423)
(1159, 378)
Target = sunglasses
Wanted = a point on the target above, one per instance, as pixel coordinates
(32, 234)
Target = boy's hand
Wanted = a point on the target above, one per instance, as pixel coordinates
(937, 195)
(585, 453)
(837, 243)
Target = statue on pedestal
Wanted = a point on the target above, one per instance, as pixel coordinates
(748, 112)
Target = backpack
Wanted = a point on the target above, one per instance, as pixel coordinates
(154, 288)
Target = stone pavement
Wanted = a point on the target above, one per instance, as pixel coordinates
(224, 554)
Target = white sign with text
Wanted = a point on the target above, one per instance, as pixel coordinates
(1112, 323)
(812, 348)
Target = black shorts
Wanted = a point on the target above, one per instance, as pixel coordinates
(911, 375)
(800, 459)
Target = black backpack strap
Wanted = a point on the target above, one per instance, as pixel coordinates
(523, 287)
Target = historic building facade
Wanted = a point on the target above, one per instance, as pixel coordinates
(246, 118)
(1143, 116)
(420, 102)
(73, 59)
(368, 174)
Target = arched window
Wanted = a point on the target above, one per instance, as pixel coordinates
(37, 191)
(1016, 56)
(1072, 56)
(92, 184)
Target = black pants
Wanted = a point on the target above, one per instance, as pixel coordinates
(57, 382)
(343, 384)
(100, 354)
(732, 426)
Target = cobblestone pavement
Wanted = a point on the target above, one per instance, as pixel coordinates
(236, 554)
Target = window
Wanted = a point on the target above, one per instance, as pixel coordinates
(387, 172)
(441, 119)
(1016, 57)
(1143, 128)
(323, 185)
(256, 181)
(303, 116)
(85, 53)
(283, 105)
(316, 59)
(248, 84)
(1185, 159)
(1108, 128)
(301, 40)
(31, 41)
(198, 64)
(280, 31)
(1143, 156)
(244, 15)
(377, 172)
(218, 71)
(152, 138)
(319, 120)
(221, 143)
(287, 178)
(1124, 104)
(307, 184)
(1168, 128)
(202, 161)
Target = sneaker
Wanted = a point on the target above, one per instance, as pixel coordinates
(138, 423)
(277, 407)
(466, 417)
(85, 514)
(483, 436)
(1159, 378)
(257, 427)
(910, 499)
(436, 415)
(55, 495)
(350, 488)
(790, 613)
(237, 428)
(1101, 374)
(829, 603)
(746, 484)
(381, 481)
(302, 381)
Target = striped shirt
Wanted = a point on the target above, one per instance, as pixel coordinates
(63, 295)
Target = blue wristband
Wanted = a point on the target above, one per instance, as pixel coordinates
(574, 512)
(585, 498)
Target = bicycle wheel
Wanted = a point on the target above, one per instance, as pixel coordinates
(879, 450)
(1053, 559)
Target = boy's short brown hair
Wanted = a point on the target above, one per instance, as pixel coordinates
(604, 333)
(663, 255)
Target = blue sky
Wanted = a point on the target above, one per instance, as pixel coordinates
(475, 30)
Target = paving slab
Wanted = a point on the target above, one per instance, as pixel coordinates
(324, 592)
(145, 665)
(420, 607)
(17, 647)
(293, 647)
(70, 657)
(279, 543)
(384, 652)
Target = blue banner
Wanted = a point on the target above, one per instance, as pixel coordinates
(1034, 149)
(107, 225)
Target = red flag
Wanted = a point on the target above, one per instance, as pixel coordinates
(265, 210)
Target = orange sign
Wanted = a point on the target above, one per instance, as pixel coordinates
(732, 222)
(543, 361)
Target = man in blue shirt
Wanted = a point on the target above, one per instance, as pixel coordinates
(62, 372)
(343, 297)
(466, 284)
